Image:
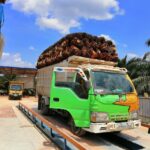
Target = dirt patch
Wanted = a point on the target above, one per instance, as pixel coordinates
(7, 112)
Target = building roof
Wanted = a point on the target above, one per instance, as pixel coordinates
(17, 70)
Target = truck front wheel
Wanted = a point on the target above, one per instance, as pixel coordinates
(39, 102)
(9, 97)
(20, 98)
(44, 107)
(76, 130)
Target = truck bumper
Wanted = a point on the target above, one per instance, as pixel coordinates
(113, 126)
(15, 96)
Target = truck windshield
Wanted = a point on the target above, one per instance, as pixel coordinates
(111, 83)
(16, 87)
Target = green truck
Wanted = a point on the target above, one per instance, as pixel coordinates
(91, 94)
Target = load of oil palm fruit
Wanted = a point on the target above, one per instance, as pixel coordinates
(78, 44)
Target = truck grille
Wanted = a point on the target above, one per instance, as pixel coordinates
(119, 117)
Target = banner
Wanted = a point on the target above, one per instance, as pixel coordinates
(1, 24)
(1, 15)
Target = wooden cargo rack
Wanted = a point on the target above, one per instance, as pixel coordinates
(78, 60)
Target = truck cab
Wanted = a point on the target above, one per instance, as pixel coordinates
(15, 90)
(94, 98)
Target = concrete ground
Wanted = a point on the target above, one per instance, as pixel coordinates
(136, 138)
(17, 132)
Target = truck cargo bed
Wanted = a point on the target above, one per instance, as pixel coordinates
(44, 75)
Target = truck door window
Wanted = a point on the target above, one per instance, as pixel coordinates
(65, 79)
(82, 92)
(73, 81)
(87, 74)
(65, 76)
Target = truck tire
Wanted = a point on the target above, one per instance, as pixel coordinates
(39, 102)
(76, 130)
(44, 107)
(20, 98)
(116, 132)
(9, 97)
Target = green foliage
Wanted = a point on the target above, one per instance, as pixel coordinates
(148, 42)
(139, 71)
(4, 81)
(122, 62)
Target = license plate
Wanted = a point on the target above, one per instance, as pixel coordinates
(124, 125)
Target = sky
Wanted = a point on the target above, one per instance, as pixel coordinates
(30, 26)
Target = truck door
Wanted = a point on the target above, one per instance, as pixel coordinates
(69, 93)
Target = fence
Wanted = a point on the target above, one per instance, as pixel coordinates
(144, 111)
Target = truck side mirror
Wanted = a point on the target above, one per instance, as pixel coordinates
(87, 85)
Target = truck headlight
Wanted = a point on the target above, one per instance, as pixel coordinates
(134, 115)
(99, 117)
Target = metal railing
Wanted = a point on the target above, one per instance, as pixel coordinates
(144, 112)
(62, 140)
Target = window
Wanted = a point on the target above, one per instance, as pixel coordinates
(16, 87)
(83, 92)
(73, 81)
(109, 82)
(65, 76)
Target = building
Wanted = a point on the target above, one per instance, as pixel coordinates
(26, 75)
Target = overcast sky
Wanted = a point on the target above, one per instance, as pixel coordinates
(33, 25)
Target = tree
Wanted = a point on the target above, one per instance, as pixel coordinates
(148, 42)
(142, 80)
(139, 71)
(123, 62)
(4, 80)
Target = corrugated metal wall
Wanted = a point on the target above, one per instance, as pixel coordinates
(28, 81)
(144, 111)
